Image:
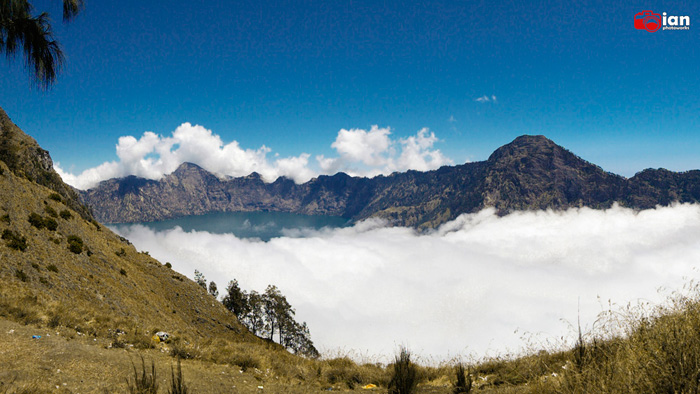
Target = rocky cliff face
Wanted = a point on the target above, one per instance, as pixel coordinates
(26, 159)
(532, 172)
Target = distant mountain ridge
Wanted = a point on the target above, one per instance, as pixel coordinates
(531, 172)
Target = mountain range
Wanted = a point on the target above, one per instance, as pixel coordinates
(530, 173)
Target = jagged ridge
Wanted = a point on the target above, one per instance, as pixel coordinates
(532, 172)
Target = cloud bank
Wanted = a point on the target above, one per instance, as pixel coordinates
(361, 153)
(472, 287)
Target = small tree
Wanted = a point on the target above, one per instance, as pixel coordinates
(278, 312)
(213, 290)
(236, 300)
(199, 279)
(254, 319)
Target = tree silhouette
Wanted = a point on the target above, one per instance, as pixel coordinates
(213, 290)
(19, 28)
(200, 279)
(236, 300)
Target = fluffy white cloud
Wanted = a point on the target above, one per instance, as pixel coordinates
(153, 156)
(361, 152)
(370, 153)
(461, 290)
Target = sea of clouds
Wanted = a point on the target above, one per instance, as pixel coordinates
(472, 288)
(359, 152)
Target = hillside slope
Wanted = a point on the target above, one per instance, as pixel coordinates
(60, 267)
(532, 172)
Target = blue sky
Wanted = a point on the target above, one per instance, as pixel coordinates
(291, 74)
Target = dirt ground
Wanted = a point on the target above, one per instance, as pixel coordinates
(66, 362)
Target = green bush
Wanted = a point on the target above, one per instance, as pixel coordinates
(121, 252)
(75, 244)
(50, 224)
(14, 240)
(36, 220)
(65, 214)
(5, 218)
(39, 222)
(52, 268)
(51, 212)
(168, 265)
(55, 197)
(122, 271)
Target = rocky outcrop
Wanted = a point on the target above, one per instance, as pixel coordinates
(25, 158)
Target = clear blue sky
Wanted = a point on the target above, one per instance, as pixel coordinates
(290, 74)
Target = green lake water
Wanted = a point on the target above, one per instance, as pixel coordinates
(262, 225)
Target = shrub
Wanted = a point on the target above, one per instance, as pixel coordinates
(65, 214)
(36, 220)
(14, 240)
(167, 264)
(5, 218)
(144, 383)
(50, 224)
(179, 351)
(54, 321)
(245, 361)
(19, 274)
(52, 268)
(55, 197)
(177, 383)
(463, 384)
(51, 212)
(36, 266)
(121, 252)
(343, 370)
(405, 377)
(122, 271)
(75, 244)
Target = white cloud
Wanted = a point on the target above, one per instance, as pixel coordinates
(452, 119)
(370, 153)
(486, 99)
(364, 146)
(462, 289)
(361, 152)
